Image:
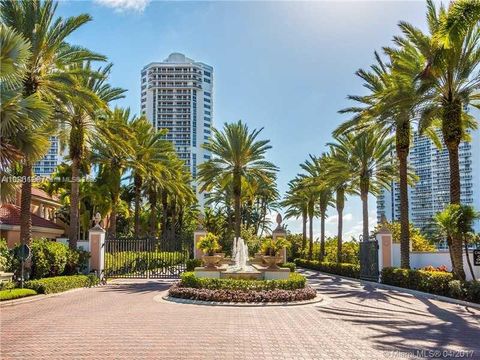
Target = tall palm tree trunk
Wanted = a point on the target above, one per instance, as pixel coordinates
(237, 193)
(152, 199)
(340, 203)
(164, 214)
(322, 234)
(137, 183)
(452, 135)
(26, 197)
(304, 230)
(74, 203)
(403, 148)
(364, 197)
(310, 235)
(112, 229)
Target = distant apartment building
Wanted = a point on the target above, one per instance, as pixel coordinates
(177, 95)
(432, 191)
(48, 164)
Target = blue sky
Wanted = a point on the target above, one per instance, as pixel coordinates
(284, 66)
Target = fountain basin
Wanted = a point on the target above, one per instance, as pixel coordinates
(251, 272)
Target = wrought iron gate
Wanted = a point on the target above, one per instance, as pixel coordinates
(369, 260)
(145, 258)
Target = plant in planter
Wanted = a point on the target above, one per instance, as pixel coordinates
(271, 251)
(209, 245)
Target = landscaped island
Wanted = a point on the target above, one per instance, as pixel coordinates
(241, 279)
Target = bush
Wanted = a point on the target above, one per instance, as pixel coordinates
(77, 261)
(16, 294)
(289, 265)
(191, 264)
(61, 283)
(295, 281)
(434, 282)
(342, 269)
(243, 296)
(48, 258)
(5, 256)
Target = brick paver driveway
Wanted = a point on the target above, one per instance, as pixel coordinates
(124, 321)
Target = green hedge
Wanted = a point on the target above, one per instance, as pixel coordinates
(295, 281)
(61, 283)
(289, 265)
(191, 264)
(434, 282)
(342, 269)
(16, 294)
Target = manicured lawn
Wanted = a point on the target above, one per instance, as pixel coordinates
(16, 294)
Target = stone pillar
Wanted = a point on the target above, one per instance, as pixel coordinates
(96, 239)
(385, 248)
(280, 232)
(197, 235)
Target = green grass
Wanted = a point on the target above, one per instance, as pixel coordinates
(16, 294)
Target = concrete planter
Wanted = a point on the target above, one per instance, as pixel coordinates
(211, 261)
(271, 261)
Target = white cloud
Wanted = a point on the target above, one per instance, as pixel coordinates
(125, 5)
(333, 218)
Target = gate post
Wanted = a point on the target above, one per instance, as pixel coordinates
(96, 239)
(385, 248)
(197, 235)
(280, 232)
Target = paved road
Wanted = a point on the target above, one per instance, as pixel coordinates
(125, 321)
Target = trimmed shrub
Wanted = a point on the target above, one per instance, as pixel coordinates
(242, 296)
(295, 281)
(191, 264)
(48, 258)
(342, 269)
(16, 294)
(289, 265)
(61, 283)
(434, 282)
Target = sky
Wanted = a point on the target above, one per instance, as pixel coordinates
(284, 66)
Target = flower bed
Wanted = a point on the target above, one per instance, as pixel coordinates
(295, 281)
(250, 291)
(434, 282)
(16, 294)
(61, 283)
(242, 296)
(342, 269)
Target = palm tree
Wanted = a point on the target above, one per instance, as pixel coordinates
(316, 169)
(451, 81)
(152, 155)
(112, 151)
(391, 105)
(341, 183)
(370, 166)
(17, 111)
(238, 156)
(296, 204)
(47, 72)
(80, 116)
(457, 221)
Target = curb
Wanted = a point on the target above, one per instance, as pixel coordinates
(416, 293)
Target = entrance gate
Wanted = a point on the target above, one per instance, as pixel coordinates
(369, 260)
(145, 258)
